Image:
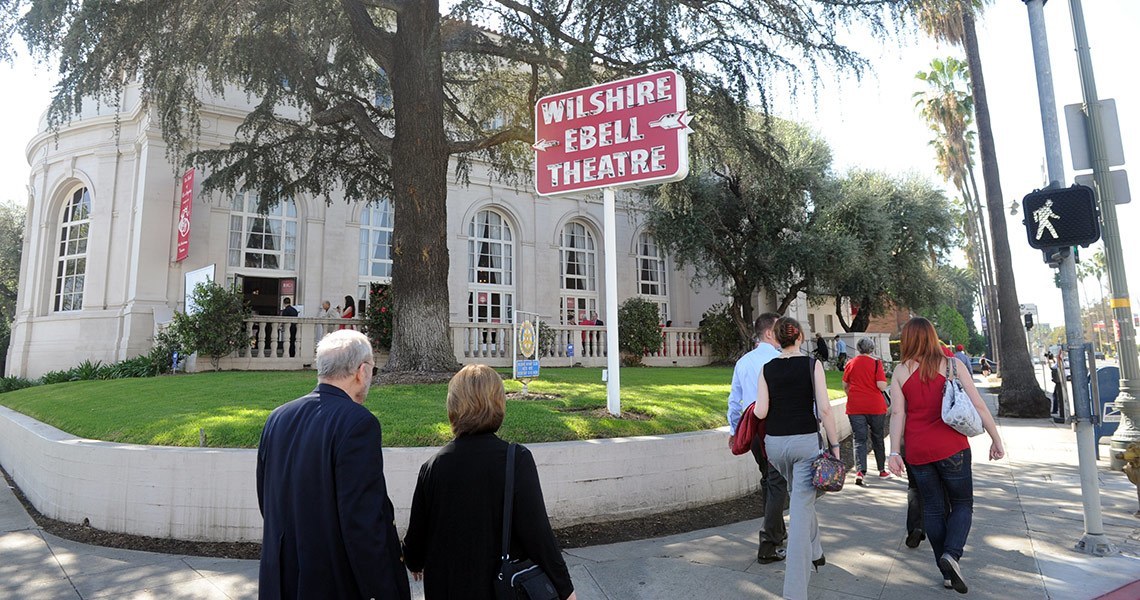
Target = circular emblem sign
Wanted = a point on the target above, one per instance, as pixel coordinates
(526, 339)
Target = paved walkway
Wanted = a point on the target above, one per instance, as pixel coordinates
(1027, 517)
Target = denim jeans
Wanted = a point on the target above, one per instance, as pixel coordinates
(862, 427)
(949, 480)
(775, 490)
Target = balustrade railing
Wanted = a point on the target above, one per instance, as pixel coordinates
(290, 343)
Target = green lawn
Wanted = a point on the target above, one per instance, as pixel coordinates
(232, 406)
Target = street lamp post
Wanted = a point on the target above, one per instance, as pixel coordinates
(1129, 399)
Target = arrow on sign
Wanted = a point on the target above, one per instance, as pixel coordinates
(673, 120)
(542, 145)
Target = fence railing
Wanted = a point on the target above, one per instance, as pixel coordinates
(284, 343)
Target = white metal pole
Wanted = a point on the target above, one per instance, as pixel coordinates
(613, 382)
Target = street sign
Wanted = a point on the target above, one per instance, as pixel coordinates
(1120, 192)
(1075, 123)
(1028, 309)
(623, 133)
(1059, 218)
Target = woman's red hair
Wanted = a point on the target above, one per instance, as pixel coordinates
(919, 342)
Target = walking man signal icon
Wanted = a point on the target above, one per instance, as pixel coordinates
(1044, 218)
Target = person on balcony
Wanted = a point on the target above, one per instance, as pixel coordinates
(290, 311)
(349, 310)
(326, 312)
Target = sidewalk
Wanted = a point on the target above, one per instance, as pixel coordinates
(1027, 517)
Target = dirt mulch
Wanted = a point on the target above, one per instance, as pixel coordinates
(532, 396)
(631, 414)
(411, 377)
(577, 536)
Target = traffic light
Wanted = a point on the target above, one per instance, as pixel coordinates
(1028, 321)
(1061, 217)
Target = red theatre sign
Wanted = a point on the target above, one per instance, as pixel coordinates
(618, 134)
(185, 208)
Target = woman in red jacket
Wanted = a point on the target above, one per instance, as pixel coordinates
(937, 455)
(864, 380)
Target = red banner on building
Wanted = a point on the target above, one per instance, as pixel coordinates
(617, 134)
(185, 208)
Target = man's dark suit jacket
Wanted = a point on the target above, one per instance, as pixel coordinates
(329, 530)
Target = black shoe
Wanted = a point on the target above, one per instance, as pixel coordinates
(914, 538)
(954, 573)
(819, 562)
(769, 553)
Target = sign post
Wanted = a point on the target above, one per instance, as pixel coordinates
(624, 133)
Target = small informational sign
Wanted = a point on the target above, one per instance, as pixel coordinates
(1111, 413)
(185, 210)
(623, 133)
(527, 339)
(526, 368)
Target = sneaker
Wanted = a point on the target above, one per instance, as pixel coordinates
(914, 538)
(884, 474)
(954, 572)
(859, 478)
(946, 584)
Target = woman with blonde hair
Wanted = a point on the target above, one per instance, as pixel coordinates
(453, 542)
(938, 456)
(792, 395)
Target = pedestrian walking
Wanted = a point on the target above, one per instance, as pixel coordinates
(960, 354)
(329, 527)
(821, 351)
(840, 353)
(773, 487)
(864, 381)
(454, 534)
(937, 455)
(791, 393)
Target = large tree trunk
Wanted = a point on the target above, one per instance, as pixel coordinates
(990, 289)
(862, 319)
(1021, 395)
(421, 326)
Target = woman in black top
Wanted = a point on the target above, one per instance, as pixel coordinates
(453, 541)
(786, 398)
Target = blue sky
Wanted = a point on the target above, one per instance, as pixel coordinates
(870, 123)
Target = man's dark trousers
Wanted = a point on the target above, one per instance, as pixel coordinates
(775, 490)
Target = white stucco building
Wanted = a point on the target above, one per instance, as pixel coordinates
(99, 258)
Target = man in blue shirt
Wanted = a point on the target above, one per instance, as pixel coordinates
(840, 353)
(745, 378)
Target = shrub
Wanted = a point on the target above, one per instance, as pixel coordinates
(87, 371)
(139, 366)
(546, 337)
(977, 345)
(721, 334)
(217, 329)
(55, 377)
(639, 330)
(378, 316)
(11, 384)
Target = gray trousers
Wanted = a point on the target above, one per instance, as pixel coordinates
(792, 456)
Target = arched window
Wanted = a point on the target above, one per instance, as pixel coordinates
(71, 267)
(263, 240)
(490, 269)
(651, 274)
(579, 274)
(376, 242)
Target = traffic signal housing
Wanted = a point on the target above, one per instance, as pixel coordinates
(1028, 321)
(1061, 217)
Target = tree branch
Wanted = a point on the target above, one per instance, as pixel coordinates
(351, 110)
(377, 42)
(839, 313)
(458, 36)
(511, 134)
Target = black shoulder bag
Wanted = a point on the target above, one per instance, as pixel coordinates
(518, 579)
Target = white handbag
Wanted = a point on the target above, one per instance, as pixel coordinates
(957, 410)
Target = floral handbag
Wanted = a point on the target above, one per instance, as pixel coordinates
(957, 410)
(827, 472)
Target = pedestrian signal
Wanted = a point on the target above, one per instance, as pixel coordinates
(1061, 217)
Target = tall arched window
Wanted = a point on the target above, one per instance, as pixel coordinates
(263, 240)
(376, 221)
(651, 274)
(579, 274)
(71, 266)
(490, 269)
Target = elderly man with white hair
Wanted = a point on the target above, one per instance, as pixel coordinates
(329, 525)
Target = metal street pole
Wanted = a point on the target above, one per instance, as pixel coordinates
(1128, 401)
(613, 366)
(1094, 540)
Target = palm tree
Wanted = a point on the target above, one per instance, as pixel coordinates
(948, 107)
(1020, 396)
(1096, 268)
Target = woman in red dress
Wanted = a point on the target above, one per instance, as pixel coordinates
(349, 310)
(938, 456)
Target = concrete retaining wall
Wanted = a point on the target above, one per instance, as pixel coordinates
(210, 494)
